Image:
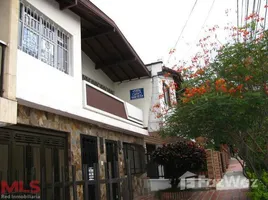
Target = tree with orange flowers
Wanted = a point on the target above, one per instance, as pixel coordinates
(226, 100)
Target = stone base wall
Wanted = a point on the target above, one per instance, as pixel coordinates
(74, 128)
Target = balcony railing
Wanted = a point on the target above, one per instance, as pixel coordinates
(100, 101)
(2, 58)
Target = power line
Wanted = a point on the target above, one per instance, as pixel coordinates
(242, 13)
(247, 7)
(265, 15)
(253, 9)
(237, 2)
(183, 28)
(258, 12)
(203, 25)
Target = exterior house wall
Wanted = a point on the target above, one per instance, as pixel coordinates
(9, 14)
(122, 90)
(153, 87)
(74, 129)
(44, 87)
(42, 84)
(88, 69)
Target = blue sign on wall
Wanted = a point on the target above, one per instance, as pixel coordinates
(136, 94)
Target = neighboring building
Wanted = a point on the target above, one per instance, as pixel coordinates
(73, 91)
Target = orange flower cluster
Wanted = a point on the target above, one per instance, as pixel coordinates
(233, 90)
(220, 85)
(156, 105)
(167, 75)
(200, 71)
(247, 78)
(252, 15)
(248, 61)
(158, 115)
(240, 87)
(161, 96)
(191, 92)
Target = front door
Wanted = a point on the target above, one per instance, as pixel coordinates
(112, 157)
(89, 152)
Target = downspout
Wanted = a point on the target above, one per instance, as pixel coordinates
(3, 45)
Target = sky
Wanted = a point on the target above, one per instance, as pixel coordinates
(153, 26)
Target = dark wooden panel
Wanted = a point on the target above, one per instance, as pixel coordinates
(102, 101)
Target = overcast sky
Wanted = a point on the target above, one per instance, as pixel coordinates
(153, 26)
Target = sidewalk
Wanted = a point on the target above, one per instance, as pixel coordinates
(220, 195)
(233, 186)
(233, 178)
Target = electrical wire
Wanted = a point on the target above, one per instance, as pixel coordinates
(265, 15)
(253, 7)
(247, 7)
(242, 13)
(202, 26)
(259, 12)
(183, 28)
(237, 12)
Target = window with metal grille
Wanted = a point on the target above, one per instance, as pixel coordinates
(136, 155)
(41, 38)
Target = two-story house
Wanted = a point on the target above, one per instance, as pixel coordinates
(73, 91)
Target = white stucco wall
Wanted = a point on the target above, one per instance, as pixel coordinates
(88, 69)
(43, 83)
(157, 89)
(153, 87)
(159, 184)
(122, 90)
(44, 87)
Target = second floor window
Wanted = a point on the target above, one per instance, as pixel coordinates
(166, 93)
(42, 38)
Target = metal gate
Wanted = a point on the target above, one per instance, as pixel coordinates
(112, 157)
(89, 152)
(25, 151)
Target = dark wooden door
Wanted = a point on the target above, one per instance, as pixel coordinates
(112, 157)
(89, 150)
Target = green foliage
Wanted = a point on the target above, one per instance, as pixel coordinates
(259, 190)
(229, 102)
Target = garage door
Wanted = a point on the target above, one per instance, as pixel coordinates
(26, 150)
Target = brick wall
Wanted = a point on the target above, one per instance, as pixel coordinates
(217, 163)
(210, 164)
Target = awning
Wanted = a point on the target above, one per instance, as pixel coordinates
(105, 44)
